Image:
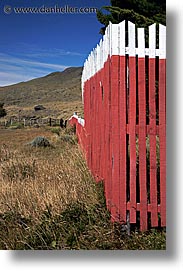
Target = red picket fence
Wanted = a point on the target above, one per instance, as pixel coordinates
(123, 134)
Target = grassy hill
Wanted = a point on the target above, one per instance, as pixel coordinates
(59, 92)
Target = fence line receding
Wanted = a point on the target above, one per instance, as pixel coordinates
(123, 134)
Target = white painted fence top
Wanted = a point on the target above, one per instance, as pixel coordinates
(79, 119)
(113, 43)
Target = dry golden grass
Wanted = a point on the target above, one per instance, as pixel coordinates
(33, 178)
(48, 199)
(56, 109)
(19, 137)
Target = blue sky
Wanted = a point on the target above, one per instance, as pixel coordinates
(33, 45)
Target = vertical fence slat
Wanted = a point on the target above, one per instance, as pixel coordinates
(105, 130)
(99, 102)
(87, 98)
(105, 88)
(142, 129)
(132, 120)
(109, 121)
(94, 114)
(115, 122)
(92, 123)
(107, 133)
(122, 124)
(102, 125)
(162, 121)
(152, 126)
(97, 110)
(97, 126)
(88, 129)
(94, 126)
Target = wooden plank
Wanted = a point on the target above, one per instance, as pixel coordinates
(91, 123)
(92, 91)
(162, 121)
(94, 123)
(148, 130)
(139, 207)
(107, 98)
(109, 121)
(105, 93)
(122, 125)
(103, 121)
(162, 42)
(110, 138)
(99, 124)
(96, 127)
(152, 125)
(132, 120)
(101, 112)
(115, 122)
(94, 113)
(97, 76)
(86, 110)
(104, 106)
(88, 129)
(142, 129)
(115, 136)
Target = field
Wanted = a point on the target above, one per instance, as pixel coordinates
(49, 200)
(58, 92)
(53, 109)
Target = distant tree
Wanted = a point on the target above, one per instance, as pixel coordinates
(140, 12)
(2, 110)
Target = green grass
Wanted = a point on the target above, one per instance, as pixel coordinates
(77, 227)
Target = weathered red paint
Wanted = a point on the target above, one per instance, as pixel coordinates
(162, 138)
(107, 102)
(152, 143)
(142, 142)
(122, 140)
(132, 136)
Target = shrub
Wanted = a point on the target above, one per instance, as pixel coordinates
(56, 131)
(16, 125)
(69, 139)
(40, 142)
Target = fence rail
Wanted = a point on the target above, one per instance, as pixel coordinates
(124, 131)
(29, 121)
